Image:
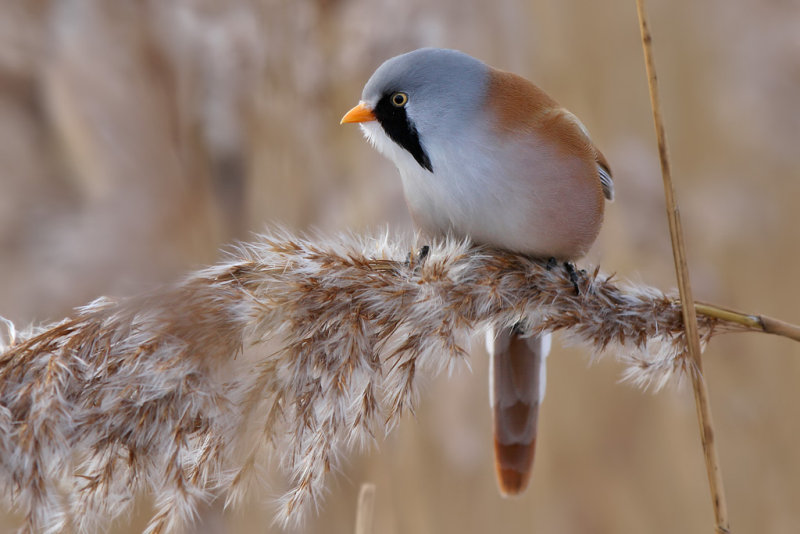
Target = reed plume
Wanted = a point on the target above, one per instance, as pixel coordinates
(150, 394)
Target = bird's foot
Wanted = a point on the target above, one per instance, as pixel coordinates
(519, 328)
(416, 260)
(573, 276)
(552, 263)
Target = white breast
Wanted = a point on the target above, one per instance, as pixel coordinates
(520, 197)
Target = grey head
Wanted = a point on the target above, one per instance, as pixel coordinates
(423, 96)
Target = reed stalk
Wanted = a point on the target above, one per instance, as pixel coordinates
(292, 348)
(366, 506)
(702, 401)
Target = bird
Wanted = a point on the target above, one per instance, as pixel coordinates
(487, 155)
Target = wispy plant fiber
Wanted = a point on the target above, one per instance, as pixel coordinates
(145, 394)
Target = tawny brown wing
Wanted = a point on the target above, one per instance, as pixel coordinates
(606, 180)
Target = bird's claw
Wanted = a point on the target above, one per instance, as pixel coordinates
(573, 276)
(416, 260)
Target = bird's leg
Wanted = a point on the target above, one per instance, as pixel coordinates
(573, 276)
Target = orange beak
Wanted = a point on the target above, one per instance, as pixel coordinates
(360, 113)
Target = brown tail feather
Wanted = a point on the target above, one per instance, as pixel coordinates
(517, 389)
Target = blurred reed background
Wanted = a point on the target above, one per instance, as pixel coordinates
(137, 138)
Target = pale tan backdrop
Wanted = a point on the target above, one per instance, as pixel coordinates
(138, 137)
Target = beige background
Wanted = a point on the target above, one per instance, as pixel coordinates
(137, 138)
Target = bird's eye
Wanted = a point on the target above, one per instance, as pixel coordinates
(399, 99)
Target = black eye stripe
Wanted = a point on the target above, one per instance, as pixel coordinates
(394, 121)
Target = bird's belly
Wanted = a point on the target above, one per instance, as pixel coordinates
(546, 216)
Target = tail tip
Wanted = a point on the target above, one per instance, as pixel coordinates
(512, 483)
(513, 464)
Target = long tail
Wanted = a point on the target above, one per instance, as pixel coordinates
(517, 384)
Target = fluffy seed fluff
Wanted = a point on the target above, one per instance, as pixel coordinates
(143, 395)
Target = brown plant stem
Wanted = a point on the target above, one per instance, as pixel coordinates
(366, 505)
(684, 287)
(759, 323)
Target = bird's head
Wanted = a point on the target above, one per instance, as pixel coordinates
(417, 102)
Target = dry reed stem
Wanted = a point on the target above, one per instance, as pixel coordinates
(366, 506)
(699, 385)
(154, 394)
(760, 323)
